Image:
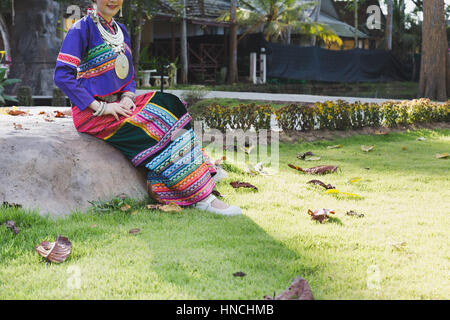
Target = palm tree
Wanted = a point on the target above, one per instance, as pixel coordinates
(278, 18)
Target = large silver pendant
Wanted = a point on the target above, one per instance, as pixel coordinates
(122, 66)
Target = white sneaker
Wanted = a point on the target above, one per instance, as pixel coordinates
(220, 174)
(205, 204)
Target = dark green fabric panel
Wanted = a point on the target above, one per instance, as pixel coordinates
(169, 102)
(131, 140)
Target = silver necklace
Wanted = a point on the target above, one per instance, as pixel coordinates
(116, 42)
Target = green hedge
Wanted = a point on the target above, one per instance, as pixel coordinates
(333, 115)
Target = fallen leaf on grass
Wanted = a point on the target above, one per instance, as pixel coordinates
(367, 148)
(320, 214)
(315, 170)
(257, 169)
(403, 148)
(320, 183)
(399, 245)
(218, 162)
(304, 155)
(217, 194)
(335, 191)
(57, 251)
(354, 213)
(442, 155)
(239, 274)
(238, 184)
(11, 224)
(165, 207)
(354, 180)
(335, 146)
(312, 159)
(298, 290)
(134, 213)
(125, 207)
(134, 231)
(380, 132)
(93, 226)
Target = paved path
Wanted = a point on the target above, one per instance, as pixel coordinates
(282, 97)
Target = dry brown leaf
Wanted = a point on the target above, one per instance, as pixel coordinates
(57, 251)
(11, 224)
(298, 290)
(367, 148)
(239, 274)
(134, 213)
(93, 226)
(217, 194)
(315, 170)
(354, 213)
(17, 126)
(379, 132)
(165, 207)
(442, 155)
(320, 214)
(304, 155)
(172, 207)
(134, 231)
(239, 184)
(59, 114)
(320, 183)
(17, 113)
(125, 207)
(218, 162)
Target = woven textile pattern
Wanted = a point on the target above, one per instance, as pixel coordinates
(157, 136)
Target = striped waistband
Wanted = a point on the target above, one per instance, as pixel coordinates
(109, 99)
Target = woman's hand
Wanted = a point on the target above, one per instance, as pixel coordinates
(128, 103)
(117, 109)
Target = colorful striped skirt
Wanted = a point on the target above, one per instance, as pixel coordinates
(158, 136)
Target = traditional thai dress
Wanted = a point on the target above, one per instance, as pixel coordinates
(158, 135)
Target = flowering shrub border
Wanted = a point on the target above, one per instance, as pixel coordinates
(333, 115)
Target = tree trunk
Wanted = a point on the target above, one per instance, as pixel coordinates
(5, 36)
(388, 33)
(137, 42)
(232, 69)
(433, 71)
(183, 42)
(356, 23)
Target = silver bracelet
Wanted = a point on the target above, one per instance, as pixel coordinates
(128, 94)
(100, 110)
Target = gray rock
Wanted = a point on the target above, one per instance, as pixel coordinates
(51, 167)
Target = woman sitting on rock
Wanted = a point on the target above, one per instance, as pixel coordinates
(95, 70)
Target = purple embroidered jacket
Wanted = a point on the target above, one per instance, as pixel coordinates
(85, 67)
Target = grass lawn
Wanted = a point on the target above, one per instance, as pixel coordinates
(398, 250)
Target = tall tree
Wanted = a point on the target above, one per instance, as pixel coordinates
(433, 72)
(4, 32)
(232, 68)
(183, 43)
(275, 17)
(388, 28)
